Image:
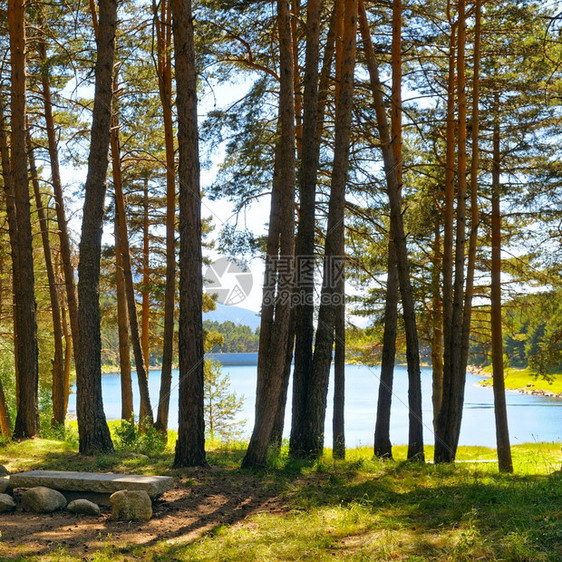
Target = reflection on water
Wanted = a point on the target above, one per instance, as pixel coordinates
(531, 418)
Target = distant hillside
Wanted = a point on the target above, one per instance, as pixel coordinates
(234, 314)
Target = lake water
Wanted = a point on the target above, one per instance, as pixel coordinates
(531, 418)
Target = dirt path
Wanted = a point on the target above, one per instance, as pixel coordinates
(199, 502)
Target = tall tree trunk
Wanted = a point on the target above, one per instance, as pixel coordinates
(163, 31)
(190, 446)
(92, 426)
(58, 379)
(338, 422)
(383, 445)
(505, 463)
(448, 226)
(66, 332)
(279, 423)
(334, 252)
(27, 371)
(127, 408)
(275, 324)
(454, 374)
(436, 323)
(415, 432)
(474, 209)
(68, 268)
(338, 432)
(145, 316)
(295, 19)
(304, 243)
(5, 423)
(145, 411)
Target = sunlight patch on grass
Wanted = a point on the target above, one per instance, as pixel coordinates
(516, 379)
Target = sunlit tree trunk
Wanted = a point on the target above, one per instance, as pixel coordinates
(164, 40)
(454, 374)
(383, 445)
(279, 423)
(27, 371)
(145, 314)
(448, 227)
(92, 426)
(304, 243)
(436, 322)
(338, 422)
(505, 463)
(58, 379)
(415, 432)
(5, 422)
(127, 408)
(295, 20)
(334, 250)
(190, 445)
(275, 324)
(68, 268)
(66, 332)
(474, 208)
(145, 411)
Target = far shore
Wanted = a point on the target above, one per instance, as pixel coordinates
(519, 380)
(522, 381)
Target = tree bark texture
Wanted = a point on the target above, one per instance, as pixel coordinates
(145, 313)
(278, 286)
(190, 446)
(332, 295)
(436, 323)
(5, 422)
(505, 463)
(27, 370)
(145, 410)
(127, 407)
(383, 445)
(338, 421)
(68, 268)
(58, 390)
(92, 426)
(415, 433)
(163, 37)
(454, 372)
(313, 119)
(279, 423)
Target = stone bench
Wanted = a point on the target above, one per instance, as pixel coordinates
(91, 485)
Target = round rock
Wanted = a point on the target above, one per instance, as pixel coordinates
(131, 505)
(4, 471)
(42, 500)
(7, 503)
(83, 507)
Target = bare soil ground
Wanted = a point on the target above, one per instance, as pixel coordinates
(199, 501)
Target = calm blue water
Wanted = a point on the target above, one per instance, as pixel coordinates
(531, 418)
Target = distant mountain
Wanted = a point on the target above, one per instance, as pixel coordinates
(235, 314)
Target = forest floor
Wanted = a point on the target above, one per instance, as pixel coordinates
(358, 509)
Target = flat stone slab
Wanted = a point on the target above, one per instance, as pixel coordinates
(97, 482)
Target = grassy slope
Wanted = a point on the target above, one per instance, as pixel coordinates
(359, 509)
(518, 379)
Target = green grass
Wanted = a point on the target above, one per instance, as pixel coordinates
(358, 509)
(516, 379)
